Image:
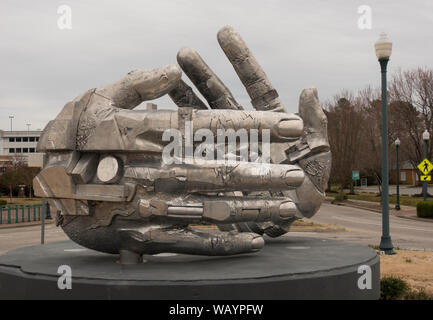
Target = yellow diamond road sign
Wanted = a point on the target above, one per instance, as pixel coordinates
(425, 167)
(425, 178)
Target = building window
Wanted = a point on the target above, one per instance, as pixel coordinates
(32, 149)
(25, 139)
(403, 176)
(11, 150)
(32, 139)
(11, 139)
(18, 139)
(37, 138)
(18, 150)
(417, 178)
(25, 149)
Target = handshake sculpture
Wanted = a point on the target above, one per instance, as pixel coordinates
(133, 181)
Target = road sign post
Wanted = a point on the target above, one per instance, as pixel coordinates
(425, 167)
(355, 176)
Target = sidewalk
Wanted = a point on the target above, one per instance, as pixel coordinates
(24, 224)
(407, 212)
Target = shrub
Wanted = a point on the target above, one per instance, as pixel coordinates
(3, 202)
(340, 196)
(393, 288)
(424, 209)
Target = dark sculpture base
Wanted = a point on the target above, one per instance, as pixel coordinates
(287, 268)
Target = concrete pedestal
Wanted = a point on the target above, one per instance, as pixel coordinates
(287, 268)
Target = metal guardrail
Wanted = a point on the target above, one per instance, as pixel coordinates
(19, 213)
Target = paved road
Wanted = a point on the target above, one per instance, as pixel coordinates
(366, 227)
(12, 238)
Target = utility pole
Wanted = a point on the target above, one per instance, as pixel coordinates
(11, 117)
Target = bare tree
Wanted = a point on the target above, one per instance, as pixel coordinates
(10, 179)
(371, 138)
(355, 125)
(411, 93)
(11, 176)
(345, 123)
(26, 175)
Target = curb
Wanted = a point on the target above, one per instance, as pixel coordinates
(25, 224)
(350, 205)
(354, 206)
(414, 218)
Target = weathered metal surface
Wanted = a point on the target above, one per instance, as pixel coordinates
(108, 177)
(85, 168)
(109, 169)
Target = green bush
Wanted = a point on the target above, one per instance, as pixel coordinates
(393, 288)
(3, 202)
(424, 209)
(340, 196)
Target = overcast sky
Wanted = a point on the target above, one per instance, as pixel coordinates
(298, 43)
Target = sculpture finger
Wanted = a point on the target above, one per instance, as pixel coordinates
(281, 126)
(141, 85)
(312, 154)
(183, 96)
(315, 121)
(150, 131)
(210, 86)
(189, 241)
(112, 180)
(314, 139)
(262, 93)
(217, 210)
(212, 176)
(272, 228)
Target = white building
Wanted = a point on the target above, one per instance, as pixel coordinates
(22, 144)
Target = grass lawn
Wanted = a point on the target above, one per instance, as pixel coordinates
(412, 266)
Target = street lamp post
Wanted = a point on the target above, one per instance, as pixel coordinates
(11, 117)
(397, 205)
(383, 48)
(28, 126)
(426, 138)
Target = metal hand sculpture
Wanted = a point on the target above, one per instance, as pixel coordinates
(113, 191)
